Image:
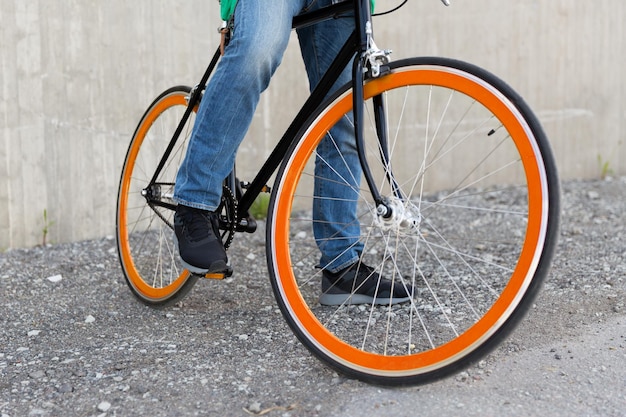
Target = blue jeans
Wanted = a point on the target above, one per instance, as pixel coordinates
(256, 48)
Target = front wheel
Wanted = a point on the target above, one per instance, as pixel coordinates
(468, 171)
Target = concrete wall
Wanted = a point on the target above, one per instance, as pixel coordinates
(75, 77)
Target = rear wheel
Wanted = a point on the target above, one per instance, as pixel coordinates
(145, 214)
(475, 200)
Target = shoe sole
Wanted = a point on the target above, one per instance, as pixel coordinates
(355, 299)
(215, 268)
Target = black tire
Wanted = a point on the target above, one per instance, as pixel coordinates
(479, 180)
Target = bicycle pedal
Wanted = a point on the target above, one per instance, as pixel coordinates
(219, 275)
(247, 224)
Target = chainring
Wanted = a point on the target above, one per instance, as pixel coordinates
(227, 211)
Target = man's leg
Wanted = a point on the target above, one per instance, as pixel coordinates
(259, 39)
(337, 168)
(336, 226)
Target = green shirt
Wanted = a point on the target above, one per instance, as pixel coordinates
(228, 8)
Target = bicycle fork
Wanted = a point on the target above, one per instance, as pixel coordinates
(373, 61)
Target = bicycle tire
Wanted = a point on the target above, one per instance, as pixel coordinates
(475, 167)
(145, 239)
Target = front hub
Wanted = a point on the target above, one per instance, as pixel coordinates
(399, 216)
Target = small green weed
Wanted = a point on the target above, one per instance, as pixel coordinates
(46, 227)
(605, 168)
(258, 210)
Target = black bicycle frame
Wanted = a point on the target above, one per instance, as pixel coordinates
(352, 50)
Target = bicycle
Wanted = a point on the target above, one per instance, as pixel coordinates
(460, 200)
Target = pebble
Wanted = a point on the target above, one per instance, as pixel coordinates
(255, 407)
(462, 376)
(104, 406)
(37, 374)
(142, 388)
(65, 388)
(55, 278)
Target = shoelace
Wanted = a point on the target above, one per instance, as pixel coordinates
(196, 223)
(364, 277)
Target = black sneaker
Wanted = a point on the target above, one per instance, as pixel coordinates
(357, 284)
(197, 238)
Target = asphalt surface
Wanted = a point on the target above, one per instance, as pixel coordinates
(74, 341)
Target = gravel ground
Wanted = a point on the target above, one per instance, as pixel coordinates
(74, 341)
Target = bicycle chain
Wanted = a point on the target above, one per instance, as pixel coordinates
(161, 216)
(228, 216)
